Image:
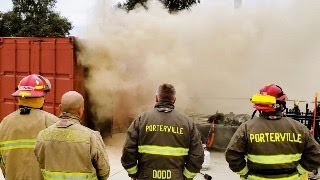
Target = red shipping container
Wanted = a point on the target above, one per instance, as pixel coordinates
(53, 58)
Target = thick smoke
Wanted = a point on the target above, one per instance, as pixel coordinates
(216, 56)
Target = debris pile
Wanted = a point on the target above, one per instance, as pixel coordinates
(230, 119)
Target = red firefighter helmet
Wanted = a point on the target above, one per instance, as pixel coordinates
(270, 98)
(33, 86)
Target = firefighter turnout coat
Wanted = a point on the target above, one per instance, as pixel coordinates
(275, 148)
(162, 144)
(18, 133)
(68, 150)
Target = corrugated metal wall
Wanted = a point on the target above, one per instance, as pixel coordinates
(53, 58)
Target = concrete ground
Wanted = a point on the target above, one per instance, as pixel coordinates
(218, 168)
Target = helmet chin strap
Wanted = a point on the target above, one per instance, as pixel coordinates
(280, 106)
(24, 110)
(254, 113)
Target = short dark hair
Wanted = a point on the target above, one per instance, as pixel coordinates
(166, 92)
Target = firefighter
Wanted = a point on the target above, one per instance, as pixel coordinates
(276, 147)
(68, 150)
(163, 143)
(18, 130)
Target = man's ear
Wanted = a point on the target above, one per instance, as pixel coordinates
(157, 99)
(174, 100)
(80, 111)
(60, 108)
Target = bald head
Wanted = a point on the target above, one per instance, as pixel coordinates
(72, 102)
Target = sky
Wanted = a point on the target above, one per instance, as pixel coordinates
(77, 11)
(80, 11)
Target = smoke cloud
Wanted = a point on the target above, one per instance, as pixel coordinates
(216, 56)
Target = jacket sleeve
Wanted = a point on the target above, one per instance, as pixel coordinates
(236, 151)
(195, 156)
(50, 119)
(310, 159)
(99, 157)
(2, 165)
(130, 150)
(1, 157)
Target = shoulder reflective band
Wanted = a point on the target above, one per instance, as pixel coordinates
(17, 144)
(301, 170)
(132, 170)
(50, 175)
(244, 171)
(274, 159)
(293, 177)
(188, 174)
(163, 150)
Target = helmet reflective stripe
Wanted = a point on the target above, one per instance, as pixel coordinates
(39, 87)
(263, 99)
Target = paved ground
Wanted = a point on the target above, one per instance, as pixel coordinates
(218, 169)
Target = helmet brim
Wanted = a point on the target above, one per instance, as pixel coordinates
(264, 108)
(28, 94)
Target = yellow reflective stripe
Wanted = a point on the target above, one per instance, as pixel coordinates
(188, 174)
(39, 87)
(301, 170)
(17, 144)
(293, 177)
(163, 150)
(132, 170)
(274, 159)
(263, 99)
(50, 175)
(304, 176)
(244, 171)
